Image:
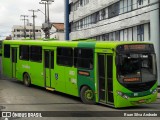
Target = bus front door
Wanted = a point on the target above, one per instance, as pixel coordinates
(14, 61)
(49, 67)
(105, 78)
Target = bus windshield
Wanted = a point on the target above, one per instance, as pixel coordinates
(135, 68)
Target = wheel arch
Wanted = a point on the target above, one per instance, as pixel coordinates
(80, 88)
(30, 81)
(24, 73)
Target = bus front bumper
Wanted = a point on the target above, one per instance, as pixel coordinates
(126, 102)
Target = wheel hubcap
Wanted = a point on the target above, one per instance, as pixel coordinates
(89, 94)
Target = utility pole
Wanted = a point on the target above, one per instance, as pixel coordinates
(67, 19)
(27, 22)
(48, 19)
(24, 16)
(45, 4)
(45, 14)
(34, 37)
(47, 25)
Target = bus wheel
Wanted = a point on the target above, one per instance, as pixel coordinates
(26, 80)
(87, 95)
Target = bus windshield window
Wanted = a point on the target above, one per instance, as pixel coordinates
(136, 68)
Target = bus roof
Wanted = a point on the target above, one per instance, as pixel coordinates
(83, 44)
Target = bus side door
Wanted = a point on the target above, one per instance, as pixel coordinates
(14, 61)
(49, 68)
(105, 78)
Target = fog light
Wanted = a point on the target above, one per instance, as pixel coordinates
(154, 91)
(122, 95)
(125, 96)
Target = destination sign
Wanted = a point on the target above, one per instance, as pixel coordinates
(135, 47)
(135, 79)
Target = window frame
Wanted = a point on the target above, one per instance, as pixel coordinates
(7, 54)
(140, 32)
(113, 11)
(20, 54)
(65, 56)
(31, 52)
(77, 58)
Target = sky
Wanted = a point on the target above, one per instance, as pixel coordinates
(11, 10)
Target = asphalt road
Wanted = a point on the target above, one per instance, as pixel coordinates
(14, 96)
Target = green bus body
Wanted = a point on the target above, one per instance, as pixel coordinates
(101, 79)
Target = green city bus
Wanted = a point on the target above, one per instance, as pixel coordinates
(118, 74)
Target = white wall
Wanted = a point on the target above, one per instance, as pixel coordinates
(130, 34)
(114, 24)
(155, 33)
(146, 32)
(21, 32)
(57, 35)
(125, 35)
(134, 33)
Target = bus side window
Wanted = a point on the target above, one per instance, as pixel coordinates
(24, 52)
(65, 56)
(83, 58)
(36, 53)
(7, 51)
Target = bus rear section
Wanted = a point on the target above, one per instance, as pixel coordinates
(136, 75)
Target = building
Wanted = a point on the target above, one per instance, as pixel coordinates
(18, 32)
(114, 20)
(8, 37)
(57, 31)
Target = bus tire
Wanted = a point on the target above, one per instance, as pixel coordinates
(27, 80)
(87, 95)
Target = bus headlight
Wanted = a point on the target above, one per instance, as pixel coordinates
(122, 95)
(154, 91)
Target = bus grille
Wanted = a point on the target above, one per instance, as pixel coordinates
(140, 87)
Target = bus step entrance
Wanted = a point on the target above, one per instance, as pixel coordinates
(50, 89)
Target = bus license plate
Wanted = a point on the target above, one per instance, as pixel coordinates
(141, 101)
